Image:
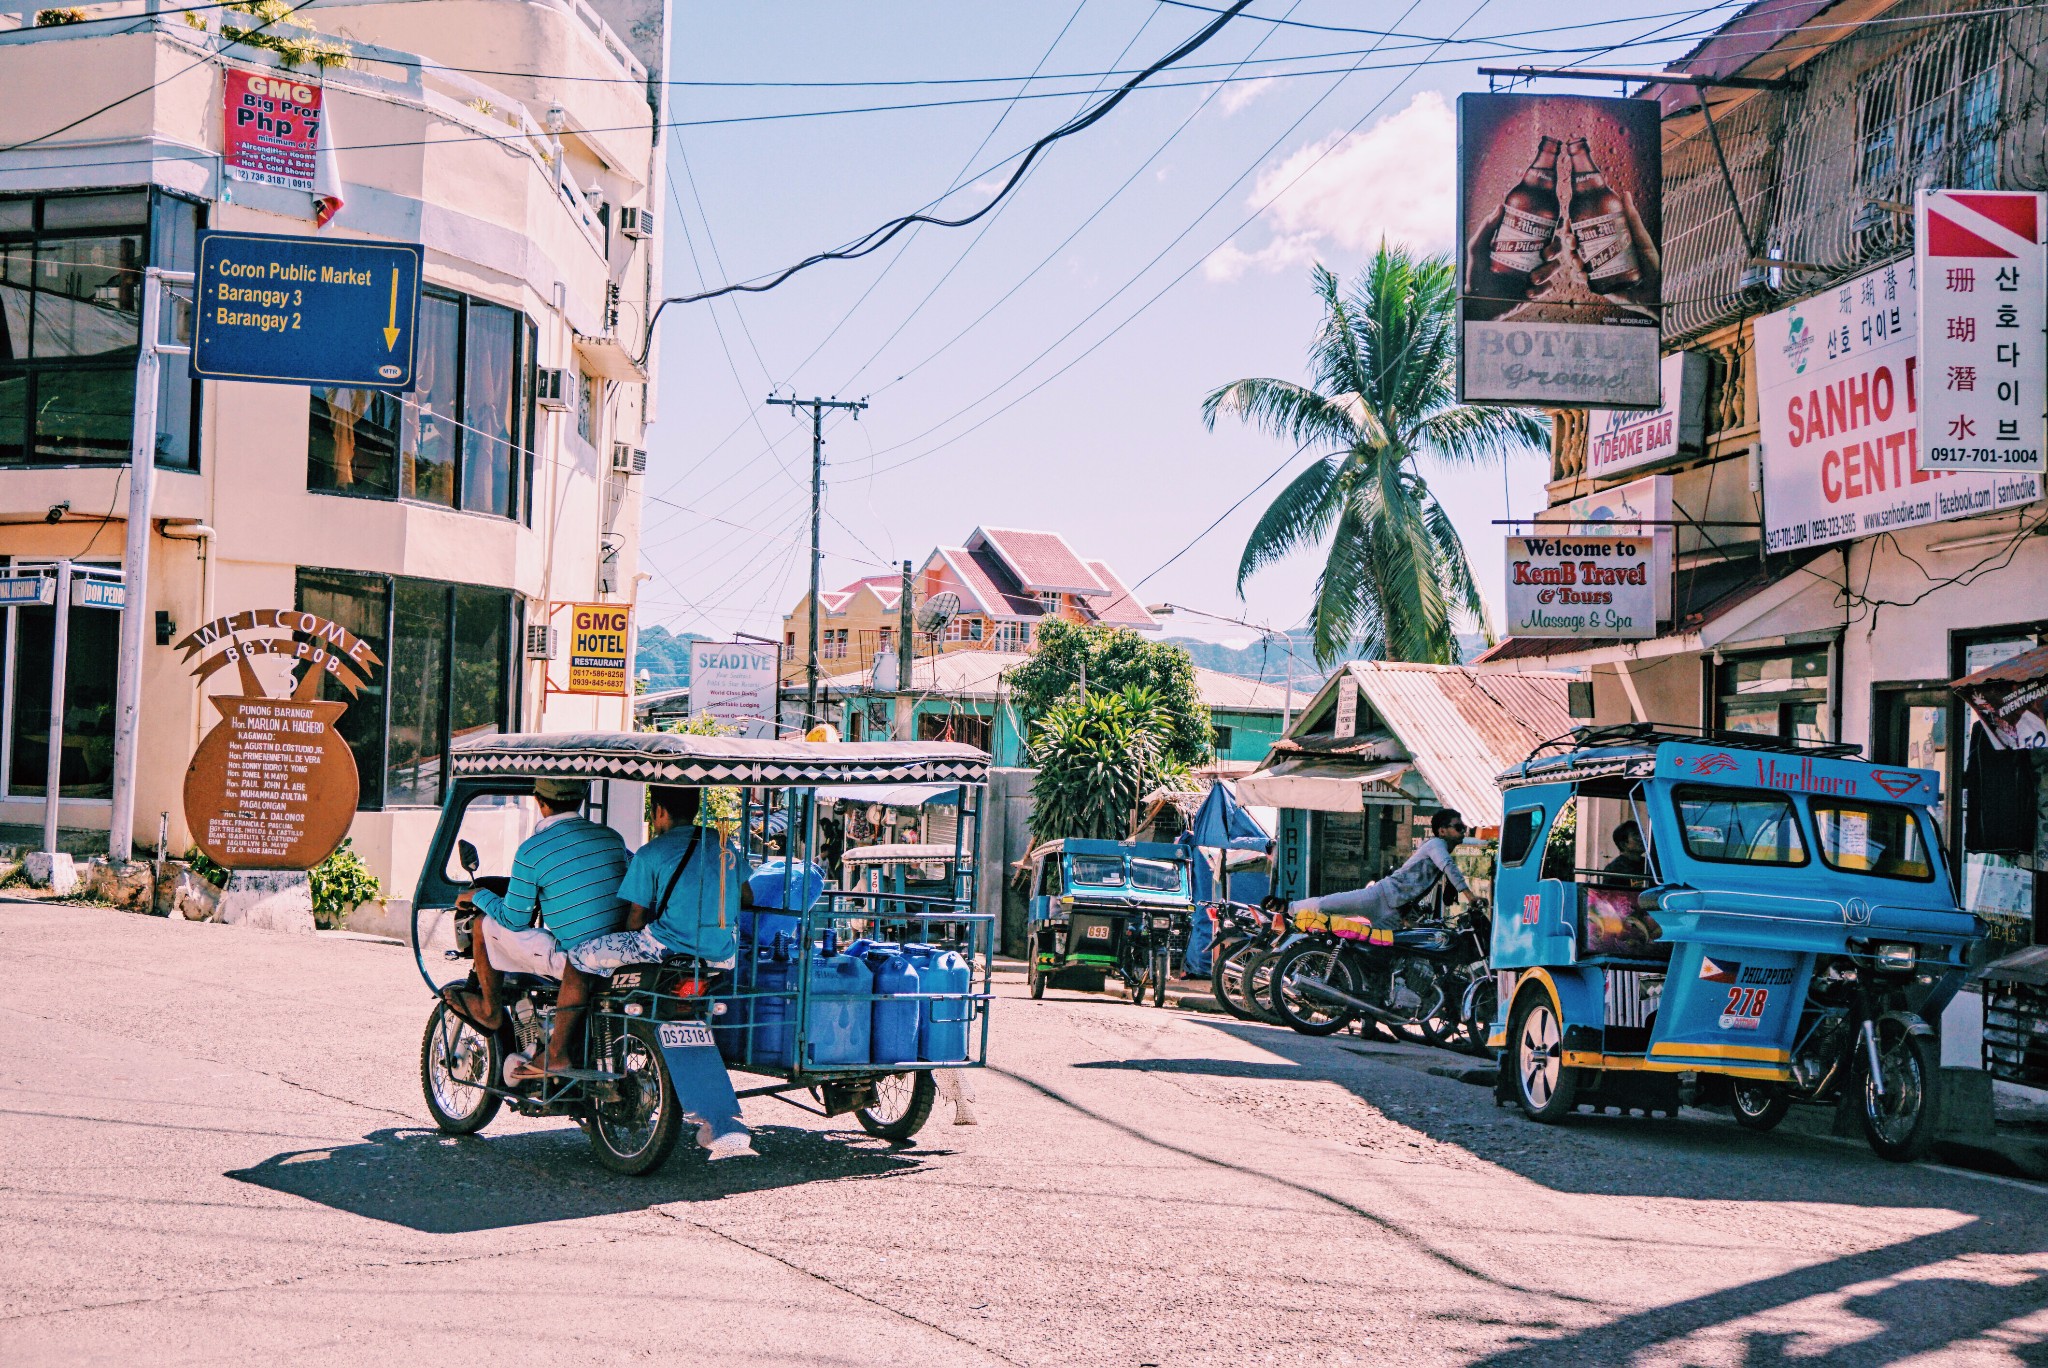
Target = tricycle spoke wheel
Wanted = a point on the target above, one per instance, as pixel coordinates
(1901, 1123)
(903, 1102)
(458, 1064)
(1758, 1106)
(634, 1126)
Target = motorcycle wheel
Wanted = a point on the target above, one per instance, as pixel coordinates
(1758, 1106)
(1303, 1010)
(903, 1103)
(1485, 1003)
(1226, 976)
(1258, 986)
(1037, 980)
(1901, 1125)
(1162, 966)
(1544, 1088)
(457, 1065)
(634, 1131)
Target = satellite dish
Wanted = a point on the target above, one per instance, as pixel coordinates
(938, 612)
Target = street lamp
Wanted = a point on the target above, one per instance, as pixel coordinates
(1287, 707)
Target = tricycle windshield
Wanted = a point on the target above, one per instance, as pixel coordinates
(1157, 876)
(1104, 871)
(1738, 826)
(1888, 840)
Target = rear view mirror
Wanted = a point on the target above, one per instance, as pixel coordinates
(466, 854)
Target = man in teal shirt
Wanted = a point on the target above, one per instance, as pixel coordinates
(563, 891)
(682, 893)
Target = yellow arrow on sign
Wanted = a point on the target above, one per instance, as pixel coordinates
(391, 329)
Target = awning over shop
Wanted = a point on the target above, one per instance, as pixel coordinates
(1326, 784)
(2011, 700)
(891, 795)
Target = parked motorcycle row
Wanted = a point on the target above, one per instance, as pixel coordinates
(1428, 982)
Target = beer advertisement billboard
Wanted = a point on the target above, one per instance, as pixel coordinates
(1560, 264)
(1838, 390)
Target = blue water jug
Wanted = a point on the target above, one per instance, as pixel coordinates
(896, 1024)
(839, 1026)
(942, 1030)
(761, 928)
(762, 1018)
(777, 883)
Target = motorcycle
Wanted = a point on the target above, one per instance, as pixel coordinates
(1242, 980)
(1423, 981)
(1237, 927)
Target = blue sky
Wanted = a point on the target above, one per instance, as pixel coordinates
(1210, 202)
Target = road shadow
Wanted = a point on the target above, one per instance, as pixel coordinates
(444, 1185)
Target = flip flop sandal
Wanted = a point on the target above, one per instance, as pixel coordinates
(451, 998)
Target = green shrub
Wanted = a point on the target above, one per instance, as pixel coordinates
(340, 882)
(203, 865)
(1097, 756)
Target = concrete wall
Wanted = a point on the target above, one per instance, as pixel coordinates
(1005, 839)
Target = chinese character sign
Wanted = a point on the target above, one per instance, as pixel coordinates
(1984, 331)
(1840, 389)
(272, 127)
(598, 633)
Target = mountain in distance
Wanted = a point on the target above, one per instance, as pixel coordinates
(665, 657)
(1266, 659)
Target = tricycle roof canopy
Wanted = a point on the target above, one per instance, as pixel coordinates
(674, 758)
(1733, 759)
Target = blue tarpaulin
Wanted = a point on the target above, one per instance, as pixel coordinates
(1222, 823)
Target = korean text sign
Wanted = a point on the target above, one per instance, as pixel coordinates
(1984, 330)
(1559, 267)
(599, 634)
(1576, 586)
(271, 125)
(734, 681)
(1838, 393)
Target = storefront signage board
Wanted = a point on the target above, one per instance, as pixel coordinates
(306, 311)
(734, 681)
(271, 127)
(1619, 441)
(1571, 585)
(1560, 207)
(1984, 331)
(274, 785)
(1642, 507)
(599, 637)
(1838, 385)
(2010, 698)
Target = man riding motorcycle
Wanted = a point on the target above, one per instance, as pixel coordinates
(1416, 881)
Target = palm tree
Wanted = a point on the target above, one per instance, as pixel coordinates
(1395, 581)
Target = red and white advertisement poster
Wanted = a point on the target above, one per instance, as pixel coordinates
(1839, 389)
(1984, 332)
(272, 128)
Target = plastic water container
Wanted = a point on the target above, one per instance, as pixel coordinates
(778, 884)
(761, 928)
(839, 1025)
(942, 1032)
(895, 1024)
(771, 969)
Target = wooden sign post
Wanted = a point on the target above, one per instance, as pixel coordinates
(273, 786)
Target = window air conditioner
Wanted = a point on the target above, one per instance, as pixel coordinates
(628, 459)
(540, 641)
(555, 388)
(636, 223)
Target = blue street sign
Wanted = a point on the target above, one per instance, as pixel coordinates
(20, 591)
(98, 593)
(307, 311)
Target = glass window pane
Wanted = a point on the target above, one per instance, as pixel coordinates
(430, 460)
(419, 659)
(1739, 826)
(352, 441)
(1101, 870)
(358, 603)
(88, 296)
(17, 276)
(487, 394)
(13, 417)
(1872, 838)
(86, 769)
(478, 659)
(84, 415)
(18, 215)
(118, 210)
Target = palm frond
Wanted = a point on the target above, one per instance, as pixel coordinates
(1471, 434)
(1291, 412)
(1298, 516)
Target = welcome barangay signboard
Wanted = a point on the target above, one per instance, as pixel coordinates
(1838, 393)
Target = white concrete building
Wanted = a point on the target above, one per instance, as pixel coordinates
(520, 142)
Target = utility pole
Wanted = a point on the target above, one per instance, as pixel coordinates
(906, 658)
(817, 408)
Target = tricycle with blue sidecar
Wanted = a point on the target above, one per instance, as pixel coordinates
(1790, 935)
(861, 1024)
(1108, 907)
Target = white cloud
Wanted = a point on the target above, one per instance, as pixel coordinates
(1396, 180)
(1238, 94)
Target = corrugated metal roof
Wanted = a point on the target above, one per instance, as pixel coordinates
(978, 674)
(1041, 561)
(1119, 607)
(1464, 728)
(1235, 693)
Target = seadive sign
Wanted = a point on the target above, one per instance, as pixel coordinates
(1839, 394)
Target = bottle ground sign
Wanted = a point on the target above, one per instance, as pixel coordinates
(307, 311)
(1983, 329)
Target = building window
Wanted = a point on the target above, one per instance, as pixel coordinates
(1220, 738)
(71, 285)
(965, 728)
(85, 766)
(448, 673)
(1785, 696)
(463, 439)
(1931, 115)
(1013, 636)
(589, 398)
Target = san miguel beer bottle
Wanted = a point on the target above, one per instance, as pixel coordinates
(1528, 218)
(1607, 250)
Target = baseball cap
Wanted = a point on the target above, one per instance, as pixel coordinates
(561, 790)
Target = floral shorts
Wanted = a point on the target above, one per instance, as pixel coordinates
(601, 955)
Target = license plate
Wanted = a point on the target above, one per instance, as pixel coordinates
(1745, 1008)
(677, 1035)
(1097, 933)
(1162, 923)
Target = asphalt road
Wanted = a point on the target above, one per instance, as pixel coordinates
(213, 1149)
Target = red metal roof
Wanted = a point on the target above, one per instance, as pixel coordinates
(1119, 607)
(1041, 561)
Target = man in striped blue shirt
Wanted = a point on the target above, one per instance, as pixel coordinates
(564, 890)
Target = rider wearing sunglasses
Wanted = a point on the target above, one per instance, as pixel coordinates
(1414, 882)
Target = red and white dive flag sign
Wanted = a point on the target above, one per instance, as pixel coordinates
(1983, 329)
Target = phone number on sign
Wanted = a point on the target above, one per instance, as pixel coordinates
(1980, 458)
